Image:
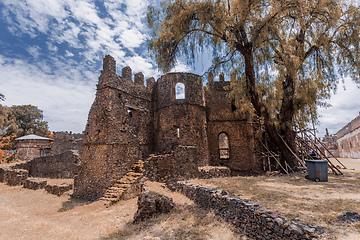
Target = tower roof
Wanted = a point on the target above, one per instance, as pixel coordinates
(32, 137)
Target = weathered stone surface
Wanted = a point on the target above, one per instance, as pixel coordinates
(129, 121)
(16, 176)
(59, 189)
(207, 172)
(34, 184)
(151, 204)
(3, 171)
(63, 165)
(66, 141)
(252, 219)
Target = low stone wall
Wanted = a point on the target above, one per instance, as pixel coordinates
(59, 189)
(34, 184)
(253, 220)
(63, 165)
(16, 177)
(3, 171)
(207, 172)
(179, 164)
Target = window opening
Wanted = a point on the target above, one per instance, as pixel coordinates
(233, 106)
(179, 91)
(178, 132)
(224, 146)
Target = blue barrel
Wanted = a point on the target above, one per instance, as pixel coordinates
(317, 170)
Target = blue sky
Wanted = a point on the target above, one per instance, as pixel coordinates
(51, 55)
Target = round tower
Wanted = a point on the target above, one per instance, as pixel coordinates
(180, 115)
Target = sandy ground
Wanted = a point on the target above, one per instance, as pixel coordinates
(29, 214)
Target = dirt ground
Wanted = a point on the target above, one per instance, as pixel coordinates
(29, 214)
(297, 198)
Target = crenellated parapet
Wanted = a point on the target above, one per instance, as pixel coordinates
(134, 85)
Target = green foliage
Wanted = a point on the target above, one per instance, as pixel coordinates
(21, 120)
(284, 56)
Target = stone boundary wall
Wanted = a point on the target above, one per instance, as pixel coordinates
(207, 172)
(63, 165)
(253, 220)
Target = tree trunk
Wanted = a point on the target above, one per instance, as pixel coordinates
(285, 116)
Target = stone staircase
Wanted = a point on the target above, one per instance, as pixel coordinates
(127, 187)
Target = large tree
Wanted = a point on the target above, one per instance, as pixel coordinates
(19, 120)
(284, 56)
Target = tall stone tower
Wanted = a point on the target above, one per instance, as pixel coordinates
(118, 131)
(180, 115)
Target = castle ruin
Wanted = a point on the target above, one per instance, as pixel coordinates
(175, 124)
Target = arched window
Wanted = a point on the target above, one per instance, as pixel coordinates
(224, 146)
(179, 91)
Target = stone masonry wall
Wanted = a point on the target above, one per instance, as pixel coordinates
(222, 117)
(63, 165)
(251, 219)
(118, 131)
(181, 121)
(180, 164)
(64, 141)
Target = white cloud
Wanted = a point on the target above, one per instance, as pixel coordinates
(68, 54)
(64, 97)
(34, 51)
(181, 67)
(345, 107)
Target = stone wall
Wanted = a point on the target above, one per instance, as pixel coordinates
(63, 165)
(222, 117)
(16, 177)
(181, 121)
(65, 141)
(348, 139)
(118, 132)
(30, 148)
(179, 164)
(251, 219)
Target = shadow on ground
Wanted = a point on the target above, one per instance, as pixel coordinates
(72, 203)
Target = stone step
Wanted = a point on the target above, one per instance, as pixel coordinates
(109, 199)
(116, 188)
(122, 185)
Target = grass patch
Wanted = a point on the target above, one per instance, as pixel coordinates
(183, 222)
(298, 198)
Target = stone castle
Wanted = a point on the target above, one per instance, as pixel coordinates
(175, 124)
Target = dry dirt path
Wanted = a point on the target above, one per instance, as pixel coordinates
(29, 214)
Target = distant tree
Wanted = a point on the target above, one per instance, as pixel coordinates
(2, 97)
(283, 56)
(21, 120)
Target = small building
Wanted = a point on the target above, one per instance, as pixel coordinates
(348, 139)
(32, 146)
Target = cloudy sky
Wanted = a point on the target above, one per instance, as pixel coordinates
(51, 55)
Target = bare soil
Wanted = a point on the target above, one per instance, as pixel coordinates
(297, 198)
(29, 214)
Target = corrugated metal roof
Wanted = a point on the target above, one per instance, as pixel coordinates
(32, 137)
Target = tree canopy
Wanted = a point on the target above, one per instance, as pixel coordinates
(19, 120)
(284, 57)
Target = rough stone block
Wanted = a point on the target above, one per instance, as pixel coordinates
(59, 189)
(126, 73)
(139, 78)
(3, 171)
(34, 184)
(151, 204)
(16, 177)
